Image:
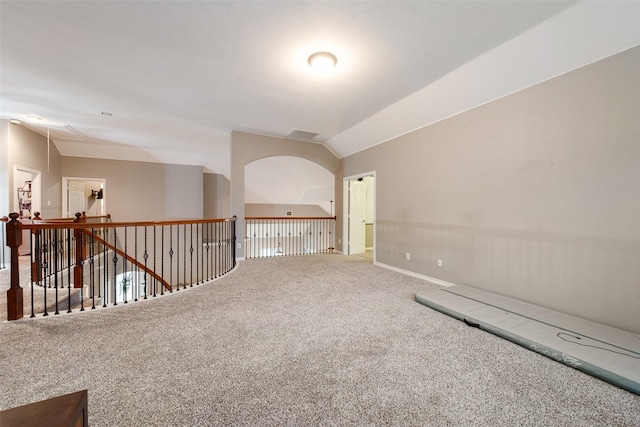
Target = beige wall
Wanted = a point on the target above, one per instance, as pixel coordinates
(534, 196)
(140, 191)
(29, 150)
(4, 168)
(246, 147)
(280, 210)
(217, 196)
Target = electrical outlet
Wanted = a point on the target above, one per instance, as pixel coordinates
(239, 245)
(408, 255)
(339, 241)
(439, 263)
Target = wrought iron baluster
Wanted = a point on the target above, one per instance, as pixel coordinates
(171, 258)
(92, 273)
(115, 269)
(199, 240)
(184, 256)
(190, 252)
(45, 268)
(162, 259)
(56, 269)
(34, 251)
(208, 239)
(127, 281)
(155, 257)
(69, 244)
(105, 271)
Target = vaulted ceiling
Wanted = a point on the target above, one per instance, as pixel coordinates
(168, 81)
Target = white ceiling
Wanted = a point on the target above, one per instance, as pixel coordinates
(179, 76)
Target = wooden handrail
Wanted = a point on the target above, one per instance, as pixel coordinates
(220, 263)
(130, 258)
(36, 217)
(74, 225)
(288, 217)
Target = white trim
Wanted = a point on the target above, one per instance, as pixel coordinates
(345, 210)
(65, 188)
(36, 188)
(416, 275)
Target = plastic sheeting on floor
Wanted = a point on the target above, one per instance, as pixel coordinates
(599, 350)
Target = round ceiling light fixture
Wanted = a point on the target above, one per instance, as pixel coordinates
(323, 62)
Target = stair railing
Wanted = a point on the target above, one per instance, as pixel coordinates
(288, 236)
(93, 262)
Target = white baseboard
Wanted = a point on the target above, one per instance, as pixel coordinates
(416, 275)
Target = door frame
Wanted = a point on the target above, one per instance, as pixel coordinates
(65, 192)
(36, 188)
(346, 247)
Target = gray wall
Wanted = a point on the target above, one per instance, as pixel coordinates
(534, 196)
(216, 196)
(246, 147)
(141, 191)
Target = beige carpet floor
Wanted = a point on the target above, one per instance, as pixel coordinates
(327, 340)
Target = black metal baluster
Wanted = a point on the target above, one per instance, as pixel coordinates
(217, 249)
(127, 280)
(171, 258)
(206, 250)
(115, 269)
(155, 257)
(162, 259)
(69, 244)
(145, 256)
(223, 252)
(300, 237)
(45, 267)
(230, 247)
(31, 265)
(35, 268)
(55, 268)
(92, 273)
(105, 271)
(199, 256)
(190, 252)
(184, 257)
(178, 255)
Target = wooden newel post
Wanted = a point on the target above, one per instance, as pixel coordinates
(79, 236)
(14, 294)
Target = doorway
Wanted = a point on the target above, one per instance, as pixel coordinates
(359, 212)
(26, 191)
(83, 195)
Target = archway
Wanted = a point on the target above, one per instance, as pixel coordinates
(279, 184)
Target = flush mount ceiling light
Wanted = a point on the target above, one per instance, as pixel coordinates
(322, 61)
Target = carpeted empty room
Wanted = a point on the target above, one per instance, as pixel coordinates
(312, 340)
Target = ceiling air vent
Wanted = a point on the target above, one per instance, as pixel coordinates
(77, 132)
(301, 134)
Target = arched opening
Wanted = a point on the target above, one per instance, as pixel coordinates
(288, 186)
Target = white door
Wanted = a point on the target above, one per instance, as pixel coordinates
(76, 198)
(357, 216)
